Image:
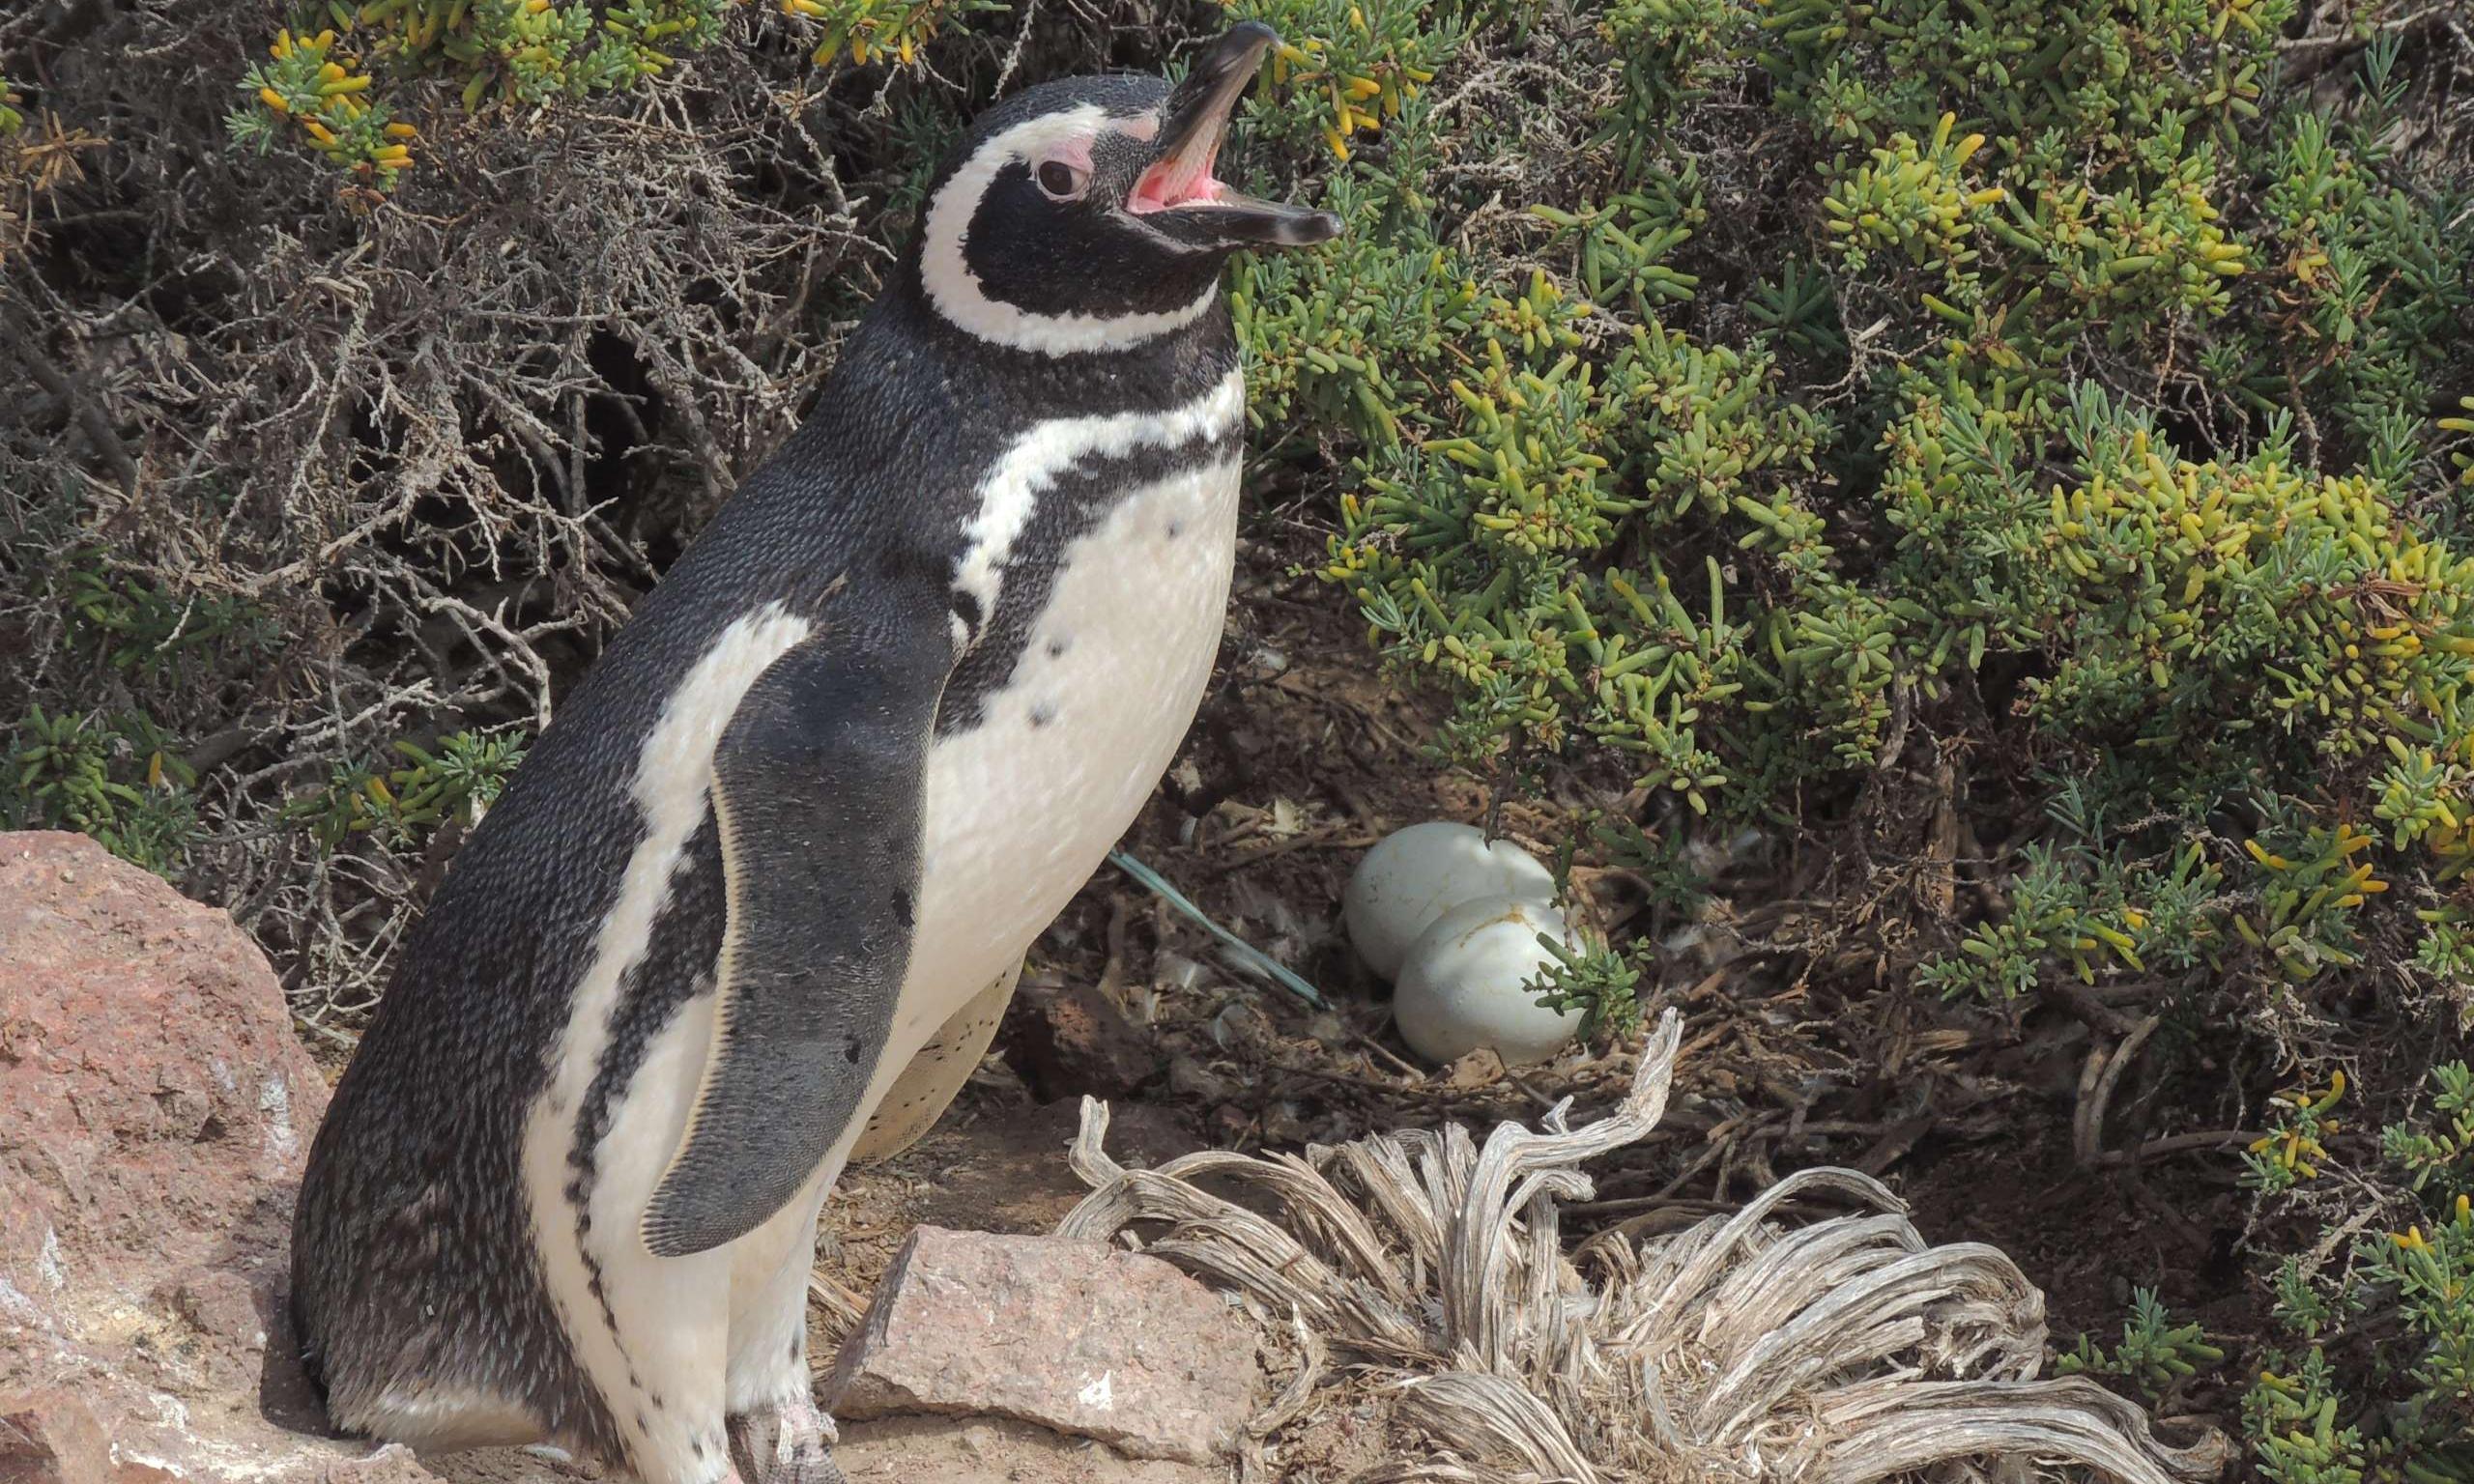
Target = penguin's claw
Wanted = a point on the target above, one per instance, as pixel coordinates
(791, 1445)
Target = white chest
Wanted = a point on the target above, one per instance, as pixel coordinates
(1021, 808)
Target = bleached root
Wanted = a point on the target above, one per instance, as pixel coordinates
(1838, 1352)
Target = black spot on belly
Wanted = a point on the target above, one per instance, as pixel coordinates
(1079, 499)
(852, 1049)
(1176, 528)
(1057, 647)
(1043, 713)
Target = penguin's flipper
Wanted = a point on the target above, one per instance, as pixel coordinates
(817, 787)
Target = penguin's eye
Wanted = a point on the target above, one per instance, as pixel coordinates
(1062, 181)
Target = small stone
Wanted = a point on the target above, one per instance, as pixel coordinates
(221, 1305)
(1285, 1122)
(955, 1450)
(1068, 1041)
(1481, 1068)
(1074, 1335)
(1191, 1082)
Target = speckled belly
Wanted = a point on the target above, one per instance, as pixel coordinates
(1024, 807)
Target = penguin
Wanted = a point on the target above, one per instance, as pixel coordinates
(758, 894)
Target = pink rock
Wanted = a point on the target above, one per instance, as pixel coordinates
(49, 1437)
(155, 1108)
(1077, 1336)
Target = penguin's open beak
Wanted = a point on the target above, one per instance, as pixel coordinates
(1193, 125)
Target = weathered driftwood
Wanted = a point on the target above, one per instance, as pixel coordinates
(1837, 1353)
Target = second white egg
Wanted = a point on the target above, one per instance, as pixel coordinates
(1463, 986)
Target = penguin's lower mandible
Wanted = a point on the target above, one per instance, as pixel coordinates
(756, 899)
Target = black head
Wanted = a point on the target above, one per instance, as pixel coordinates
(1083, 215)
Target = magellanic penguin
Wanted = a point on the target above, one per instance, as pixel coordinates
(793, 834)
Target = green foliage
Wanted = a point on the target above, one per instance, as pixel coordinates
(2406, 1303)
(2044, 390)
(1346, 67)
(115, 778)
(147, 634)
(873, 30)
(402, 805)
(2155, 1353)
(2292, 1422)
(13, 117)
(319, 87)
(2244, 639)
(336, 85)
(2462, 457)
(2291, 1151)
(2089, 904)
(1658, 862)
(1601, 984)
(2439, 1156)
(1347, 336)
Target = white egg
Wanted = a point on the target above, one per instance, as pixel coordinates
(1415, 875)
(1461, 987)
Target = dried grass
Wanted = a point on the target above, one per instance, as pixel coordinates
(1841, 1351)
(437, 442)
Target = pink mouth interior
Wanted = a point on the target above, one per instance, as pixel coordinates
(1177, 181)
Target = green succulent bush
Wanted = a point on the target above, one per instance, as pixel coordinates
(2391, 1319)
(2155, 1353)
(2236, 611)
(2057, 405)
(336, 85)
(402, 805)
(119, 778)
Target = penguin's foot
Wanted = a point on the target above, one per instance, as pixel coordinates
(787, 1445)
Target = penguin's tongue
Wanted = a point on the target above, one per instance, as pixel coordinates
(1181, 178)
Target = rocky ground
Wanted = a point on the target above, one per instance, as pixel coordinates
(154, 1101)
(154, 1107)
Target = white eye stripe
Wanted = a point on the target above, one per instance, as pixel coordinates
(955, 292)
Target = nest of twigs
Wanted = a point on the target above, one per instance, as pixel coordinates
(1433, 1266)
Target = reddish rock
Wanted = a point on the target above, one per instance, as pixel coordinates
(155, 1103)
(49, 1437)
(1077, 1336)
(154, 1107)
(1068, 1041)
